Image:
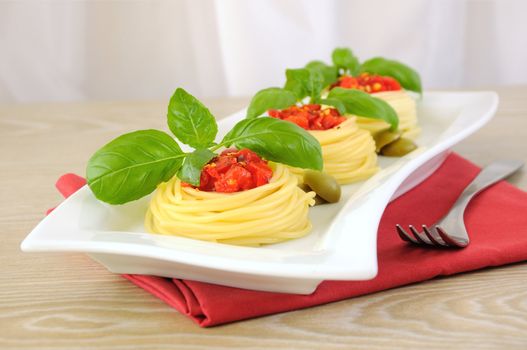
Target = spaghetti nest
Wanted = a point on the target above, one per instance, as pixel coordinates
(405, 107)
(348, 152)
(272, 213)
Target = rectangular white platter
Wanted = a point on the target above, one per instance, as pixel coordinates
(342, 245)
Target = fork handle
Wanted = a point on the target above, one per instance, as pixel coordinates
(488, 176)
(453, 222)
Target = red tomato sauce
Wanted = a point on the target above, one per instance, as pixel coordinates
(368, 83)
(233, 171)
(310, 117)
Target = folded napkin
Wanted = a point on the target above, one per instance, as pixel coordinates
(496, 221)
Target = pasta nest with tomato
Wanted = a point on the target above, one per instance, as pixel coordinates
(390, 91)
(243, 213)
(347, 150)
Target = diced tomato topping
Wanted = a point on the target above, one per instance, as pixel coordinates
(310, 117)
(368, 83)
(260, 172)
(299, 120)
(233, 171)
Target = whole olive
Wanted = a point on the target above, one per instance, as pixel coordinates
(384, 138)
(324, 185)
(398, 148)
(319, 200)
(304, 187)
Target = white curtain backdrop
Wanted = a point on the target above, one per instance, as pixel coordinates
(102, 50)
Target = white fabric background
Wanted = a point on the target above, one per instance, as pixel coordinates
(93, 50)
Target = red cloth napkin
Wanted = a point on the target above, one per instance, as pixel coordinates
(496, 221)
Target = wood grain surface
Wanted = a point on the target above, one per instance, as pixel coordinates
(66, 301)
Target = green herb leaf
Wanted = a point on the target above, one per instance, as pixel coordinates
(338, 104)
(329, 73)
(304, 82)
(345, 60)
(406, 76)
(271, 98)
(296, 82)
(278, 141)
(364, 105)
(132, 165)
(190, 171)
(190, 120)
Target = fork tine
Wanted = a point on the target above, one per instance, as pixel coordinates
(448, 239)
(419, 236)
(434, 237)
(405, 236)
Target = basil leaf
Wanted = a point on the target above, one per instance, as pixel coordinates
(190, 171)
(329, 73)
(343, 58)
(304, 82)
(364, 105)
(296, 82)
(190, 120)
(271, 98)
(338, 104)
(132, 165)
(278, 141)
(406, 76)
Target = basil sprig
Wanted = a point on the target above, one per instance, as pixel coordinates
(406, 76)
(364, 105)
(190, 120)
(300, 83)
(132, 165)
(345, 61)
(329, 73)
(304, 82)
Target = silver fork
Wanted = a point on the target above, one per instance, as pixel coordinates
(450, 231)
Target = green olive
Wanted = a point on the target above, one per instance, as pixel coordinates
(384, 138)
(319, 200)
(324, 185)
(398, 148)
(304, 187)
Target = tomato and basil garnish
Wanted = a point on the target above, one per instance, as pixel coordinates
(307, 83)
(233, 171)
(346, 68)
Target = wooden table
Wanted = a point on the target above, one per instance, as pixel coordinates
(67, 301)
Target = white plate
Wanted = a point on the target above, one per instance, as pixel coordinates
(342, 245)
